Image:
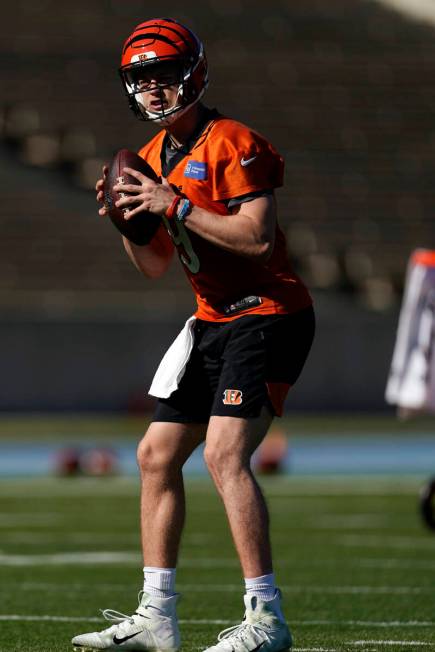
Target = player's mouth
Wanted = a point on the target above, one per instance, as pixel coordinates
(158, 105)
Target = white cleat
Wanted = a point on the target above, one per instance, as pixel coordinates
(263, 628)
(152, 627)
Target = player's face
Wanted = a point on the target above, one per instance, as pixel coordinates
(158, 98)
(158, 86)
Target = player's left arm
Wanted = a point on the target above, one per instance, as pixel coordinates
(249, 231)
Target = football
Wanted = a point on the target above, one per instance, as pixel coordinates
(143, 226)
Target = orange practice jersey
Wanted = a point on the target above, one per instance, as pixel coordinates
(227, 161)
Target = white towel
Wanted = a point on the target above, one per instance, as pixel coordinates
(173, 365)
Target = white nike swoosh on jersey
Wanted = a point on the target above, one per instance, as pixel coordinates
(246, 161)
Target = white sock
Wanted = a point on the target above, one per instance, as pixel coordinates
(159, 582)
(262, 587)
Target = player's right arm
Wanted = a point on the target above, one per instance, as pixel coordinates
(152, 259)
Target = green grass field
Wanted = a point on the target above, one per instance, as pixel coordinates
(355, 564)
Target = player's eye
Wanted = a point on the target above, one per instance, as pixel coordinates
(166, 78)
(143, 84)
(164, 74)
(163, 79)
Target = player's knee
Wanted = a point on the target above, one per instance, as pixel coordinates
(221, 462)
(152, 459)
(145, 456)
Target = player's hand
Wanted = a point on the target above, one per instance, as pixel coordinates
(147, 195)
(99, 187)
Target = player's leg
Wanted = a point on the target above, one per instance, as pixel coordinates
(263, 356)
(230, 443)
(179, 425)
(161, 455)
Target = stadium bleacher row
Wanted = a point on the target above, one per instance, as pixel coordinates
(351, 111)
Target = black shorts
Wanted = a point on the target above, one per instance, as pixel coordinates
(237, 367)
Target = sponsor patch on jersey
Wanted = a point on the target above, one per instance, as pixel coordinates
(196, 170)
(232, 397)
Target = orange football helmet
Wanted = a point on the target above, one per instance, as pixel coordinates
(161, 53)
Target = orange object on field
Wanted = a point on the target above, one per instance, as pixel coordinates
(424, 257)
(271, 454)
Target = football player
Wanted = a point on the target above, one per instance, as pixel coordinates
(228, 372)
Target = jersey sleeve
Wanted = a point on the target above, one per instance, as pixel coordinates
(242, 162)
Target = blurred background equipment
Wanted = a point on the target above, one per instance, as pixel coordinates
(98, 462)
(272, 455)
(67, 462)
(91, 461)
(411, 384)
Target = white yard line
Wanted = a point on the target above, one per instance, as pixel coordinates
(238, 588)
(32, 538)
(91, 619)
(368, 623)
(294, 649)
(336, 590)
(33, 519)
(348, 522)
(70, 558)
(300, 487)
(130, 557)
(207, 621)
(103, 557)
(363, 486)
(415, 564)
(313, 649)
(55, 619)
(382, 642)
(398, 542)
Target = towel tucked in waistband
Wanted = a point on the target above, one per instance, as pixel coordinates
(173, 365)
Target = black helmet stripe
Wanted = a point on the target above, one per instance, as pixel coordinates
(157, 36)
(170, 28)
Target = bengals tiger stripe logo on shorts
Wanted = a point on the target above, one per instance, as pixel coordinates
(232, 397)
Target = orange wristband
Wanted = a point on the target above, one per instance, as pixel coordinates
(172, 210)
